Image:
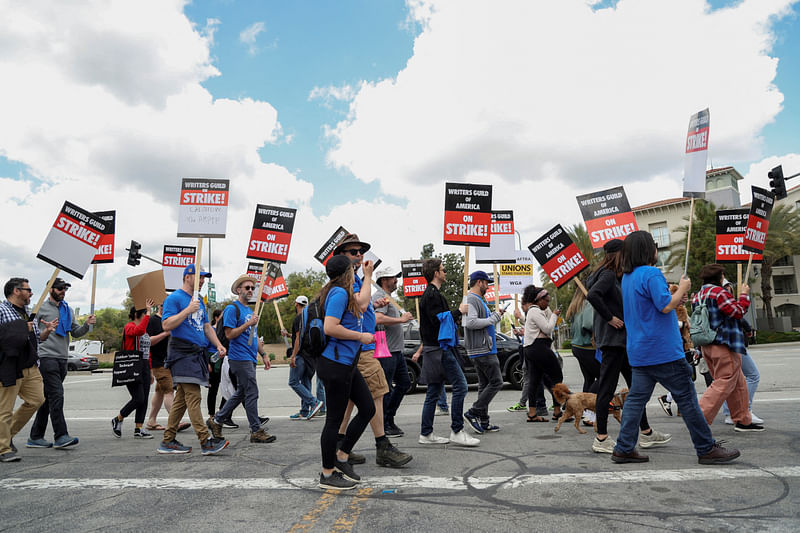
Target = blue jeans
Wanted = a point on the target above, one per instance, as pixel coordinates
(751, 376)
(246, 392)
(442, 401)
(676, 377)
(397, 377)
(456, 377)
(300, 382)
(320, 391)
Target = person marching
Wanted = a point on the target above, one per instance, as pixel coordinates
(301, 368)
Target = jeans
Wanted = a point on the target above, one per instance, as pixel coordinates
(676, 377)
(490, 381)
(53, 373)
(139, 392)
(397, 377)
(752, 377)
(432, 396)
(615, 362)
(320, 391)
(442, 401)
(246, 392)
(300, 382)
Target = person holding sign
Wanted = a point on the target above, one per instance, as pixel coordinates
(655, 349)
(186, 318)
(19, 374)
(53, 353)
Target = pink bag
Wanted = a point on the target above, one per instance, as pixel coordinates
(381, 348)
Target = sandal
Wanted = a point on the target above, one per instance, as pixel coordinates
(537, 418)
(155, 427)
(184, 425)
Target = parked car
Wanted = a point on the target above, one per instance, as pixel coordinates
(77, 361)
(509, 350)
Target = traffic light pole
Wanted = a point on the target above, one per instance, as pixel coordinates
(146, 257)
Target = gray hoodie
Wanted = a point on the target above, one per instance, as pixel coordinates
(476, 323)
(56, 346)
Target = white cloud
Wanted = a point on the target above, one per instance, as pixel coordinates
(757, 174)
(332, 93)
(249, 34)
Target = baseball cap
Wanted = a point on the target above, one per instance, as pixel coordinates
(61, 284)
(189, 270)
(479, 274)
(387, 272)
(302, 300)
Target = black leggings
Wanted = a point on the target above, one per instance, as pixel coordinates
(590, 367)
(542, 362)
(342, 384)
(615, 362)
(139, 392)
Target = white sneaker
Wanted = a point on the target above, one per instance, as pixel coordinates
(462, 439)
(604, 446)
(655, 438)
(441, 412)
(755, 419)
(432, 439)
(729, 420)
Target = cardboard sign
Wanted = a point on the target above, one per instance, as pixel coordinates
(607, 215)
(514, 277)
(559, 256)
(203, 210)
(326, 252)
(694, 167)
(73, 240)
(174, 260)
(105, 250)
(502, 247)
(144, 286)
(467, 214)
(414, 283)
(731, 224)
(489, 296)
(275, 285)
(758, 220)
(272, 233)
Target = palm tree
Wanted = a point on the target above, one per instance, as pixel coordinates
(783, 239)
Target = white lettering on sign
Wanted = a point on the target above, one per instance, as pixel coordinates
(179, 261)
(697, 141)
(612, 233)
(213, 198)
(733, 249)
(756, 236)
(79, 232)
(104, 249)
(269, 247)
(467, 230)
(566, 267)
(501, 227)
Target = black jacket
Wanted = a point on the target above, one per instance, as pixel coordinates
(431, 304)
(17, 351)
(605, 295)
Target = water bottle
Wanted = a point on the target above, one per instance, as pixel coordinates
(214, 358)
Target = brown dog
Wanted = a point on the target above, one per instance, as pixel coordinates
(618, 402)
(575, 402)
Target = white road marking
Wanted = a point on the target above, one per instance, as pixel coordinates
(407, 482)
(74, 382)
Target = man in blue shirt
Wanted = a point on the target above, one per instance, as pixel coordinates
(185, 316)
(238, 321)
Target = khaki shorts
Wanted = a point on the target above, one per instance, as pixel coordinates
(372, 372)
(163, 379)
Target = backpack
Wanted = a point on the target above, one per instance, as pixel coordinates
(312, 338)
(220, 330)
(699, 324)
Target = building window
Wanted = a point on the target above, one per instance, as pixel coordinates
(784, 284)
(662, 258)
(660, 234)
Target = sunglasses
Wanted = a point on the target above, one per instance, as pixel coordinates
(62, 289)
(355, 251)
(26, 289)
(248, 287)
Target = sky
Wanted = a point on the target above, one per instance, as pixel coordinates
(357, 112)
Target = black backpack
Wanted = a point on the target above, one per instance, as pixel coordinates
(220, 331)
(312, 338)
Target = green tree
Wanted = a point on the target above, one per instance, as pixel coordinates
(783, 239)
(453, 287)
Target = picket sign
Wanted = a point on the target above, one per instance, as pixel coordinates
(689, 238)
(257, 306)
(196, 294)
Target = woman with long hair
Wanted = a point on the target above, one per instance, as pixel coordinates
(135, 337)
(580, 315)
(337, 367)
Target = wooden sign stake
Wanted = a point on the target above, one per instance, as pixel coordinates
(738, 279)
(45, 292)
(94, 288)
(689, 237)
(747, 272)
(581, 286)
(416, 301)
(197, 257)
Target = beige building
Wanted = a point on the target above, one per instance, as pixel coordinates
(663, 218)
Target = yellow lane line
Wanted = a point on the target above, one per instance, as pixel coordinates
(347, 520)
(310, 519)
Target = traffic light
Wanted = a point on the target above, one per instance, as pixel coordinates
(133, 254)
(777, 183)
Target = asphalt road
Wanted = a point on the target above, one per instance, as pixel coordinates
(524, 477)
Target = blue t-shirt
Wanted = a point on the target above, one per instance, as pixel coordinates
(491, 331)
(368, 321)
(336, 306)
(653, 337)
(191, 329)
(238, 349)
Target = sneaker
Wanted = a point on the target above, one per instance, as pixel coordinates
(322, 412)
(474, 423)
(347, 471)
(215, 427)
(173, 446)
(213, 445)
(387, 454)
(392, 431)
(262, 437)
(314, 410)
(9, 457)
(38, 443)
(432, 439)
(630, 457)
(141, 433)
(462, 439)
(665, 405)
(729, 420)
(440, 411)
(335, 481)
(748, 427)
(65, 441)
(356, 459)
(604, 446)
(516, 407)
(262, 420)
(754, 419)
(13, 448)
(116, 427)
(655, 438)
(718, 455)
(298, 416)
(230, 424)
(490, 428)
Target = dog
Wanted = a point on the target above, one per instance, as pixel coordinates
(574, 404)
(618, 402)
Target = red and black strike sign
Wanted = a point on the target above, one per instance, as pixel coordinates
(467, 214)
(325, 253)
(174, 259)
(758, 221)
(559, 256)
(607, 215)
(275, 285)
(105, 250)
(203, 209)
(414, 283)
(731, 224)
(489, 296)
(72, 242)
(272, 233)
(254, 270)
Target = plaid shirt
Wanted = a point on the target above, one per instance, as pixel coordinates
(725, 313)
